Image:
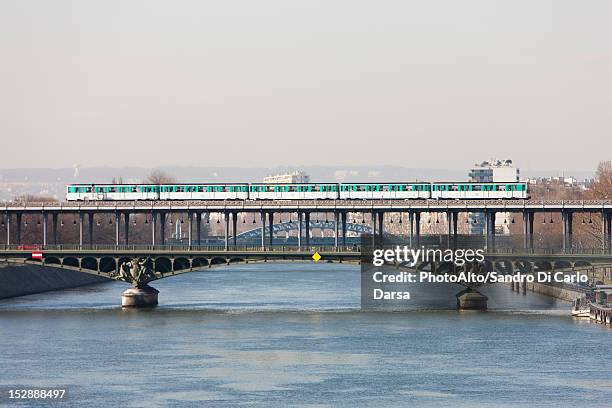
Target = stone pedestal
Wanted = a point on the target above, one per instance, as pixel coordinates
(470, 299)
(139, 297)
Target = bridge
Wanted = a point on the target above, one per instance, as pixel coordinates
(409, 210)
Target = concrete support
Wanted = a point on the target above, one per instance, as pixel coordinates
(189, 228)
(126, 227)
(234, 227)
(117, 221)
(263, 230)
(490, 230)
(381, 223)
(343, 218)
(567, 217)
(153, 226)
(199, 228)
(226, 219)
(271, 225)
(299, 235)
(90, 223)
(54, 228)
(8, 229)
(417, 228)
(80, 229)
(45, 219)
(411, 227)
(337, 225)
(453, 229)
(606, 218)
(307, 225)
(525, 230)
(18, 228)
(162, 228)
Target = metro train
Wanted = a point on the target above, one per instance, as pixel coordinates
(297, 191)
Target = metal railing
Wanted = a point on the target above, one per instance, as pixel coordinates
(179, 248)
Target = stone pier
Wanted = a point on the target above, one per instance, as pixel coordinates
(145, 296)
(470, 299)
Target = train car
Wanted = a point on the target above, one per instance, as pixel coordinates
(111, 192)
(216, 191)
(294, 191)
(132, 192)
(372, 191)
(478, 191)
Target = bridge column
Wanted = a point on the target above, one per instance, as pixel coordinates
(343, 217)
(91, 224)
(263, 230)
(454, 219)
(337, 225)
(226, 219)
(80, 229)
(307, 226)
(411, 228)
(8, 229)
(417, 228)
(126, 227)
(299, 235)
(117, 222)
(234, 227)
(567, 217)
(525, 230)
(449, 221)
(490, 230)
(45, 219)
(271, 229)
(189, 227)
(54, 227)
(608, 218)
(153, 223)
(162, 228)
(18, 216)
(199, 227)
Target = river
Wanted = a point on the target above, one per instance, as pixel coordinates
(276, 335)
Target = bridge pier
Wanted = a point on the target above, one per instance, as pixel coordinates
(8, 229)
(126, 227)
(270, 228)
(381, 223)
(417, 228)
(234, 227)
(45, 218)
(153, 224)
(343, 216)
(337, 228)
(299, 235)
(18, 228)
(567, 217)
(80, 229)
(199, 228)
(54, 227)
(226, 240)
(470, 299)
(263, 230)
(116, 228)
(145, 296)
(607, 231)
(307, 226)
(90, 221)
(490, 230)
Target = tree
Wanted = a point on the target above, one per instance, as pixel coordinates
(159, 177)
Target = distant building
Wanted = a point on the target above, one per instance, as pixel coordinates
(492, 171)
(294, 177)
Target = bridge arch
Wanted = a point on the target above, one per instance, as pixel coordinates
(89, 262)
(107, 264)
(180, 264)
(163, 264)
(199, 262)
(71, 261)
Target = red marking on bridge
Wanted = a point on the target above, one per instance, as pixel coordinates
(37, 255)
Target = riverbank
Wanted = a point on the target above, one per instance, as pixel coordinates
(20, 280)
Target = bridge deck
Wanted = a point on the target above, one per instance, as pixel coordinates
(313, 205)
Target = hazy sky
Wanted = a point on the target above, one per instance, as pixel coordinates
(266, 83)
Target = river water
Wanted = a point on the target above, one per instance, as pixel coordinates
(276, 335)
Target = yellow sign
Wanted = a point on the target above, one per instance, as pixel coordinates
(316, 256)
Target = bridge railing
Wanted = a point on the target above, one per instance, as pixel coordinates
(177, 248)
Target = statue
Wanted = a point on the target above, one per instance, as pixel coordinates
(138, 272)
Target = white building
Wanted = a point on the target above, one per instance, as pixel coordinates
(492, 171)
(294, 177)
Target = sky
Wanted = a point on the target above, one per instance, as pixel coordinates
(433, 84)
